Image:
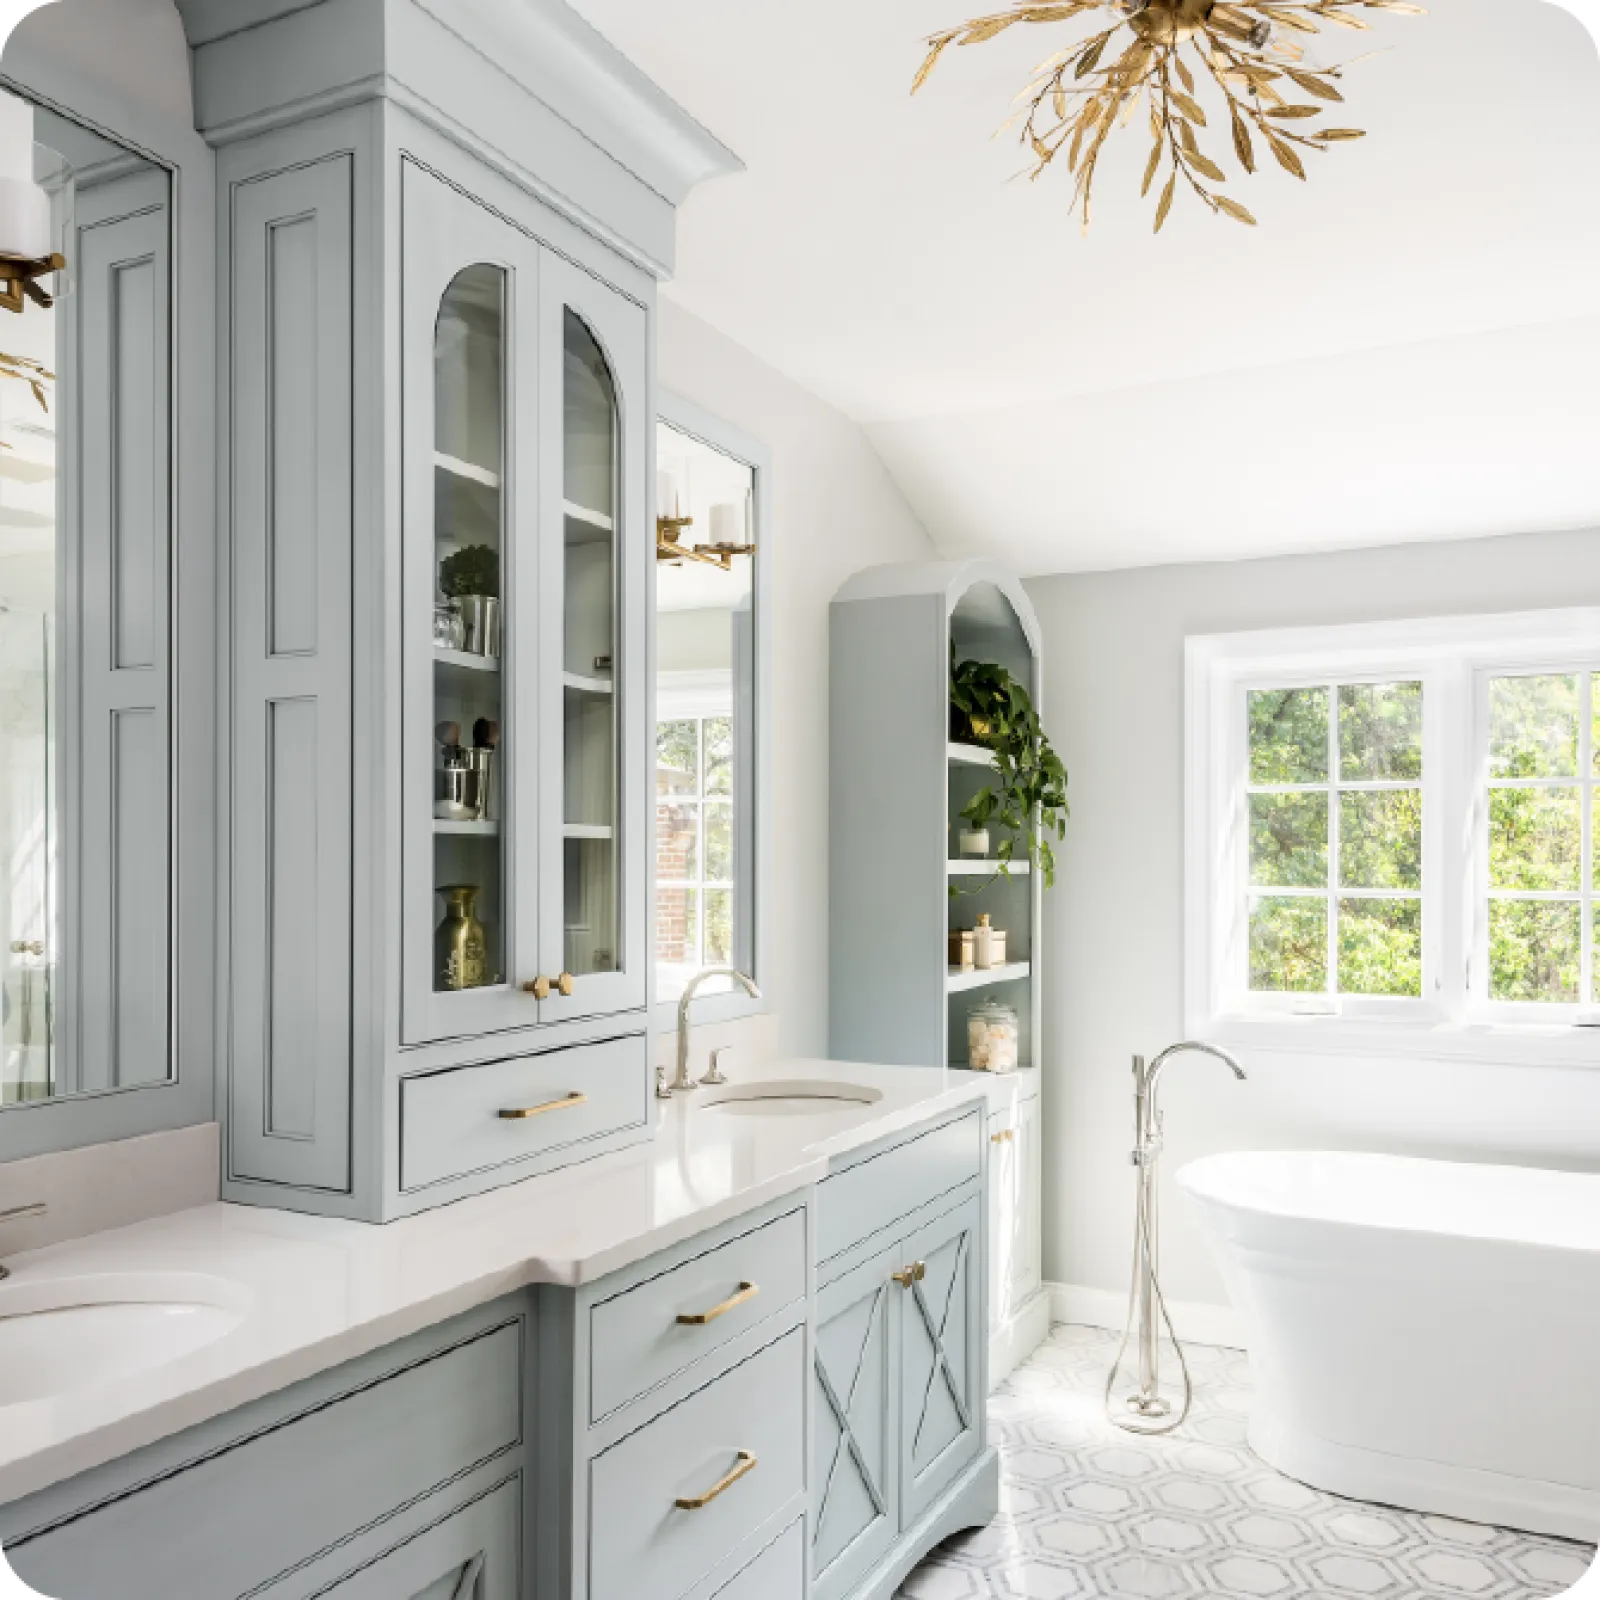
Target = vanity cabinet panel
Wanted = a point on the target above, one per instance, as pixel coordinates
(875, 1193)
(507, 1113)
(289, 1066)
(1027, 1276)
(671, 1501)
(942, 1338)
(778, 1573)
(117, 883)
(474, 1554)
(856, 1397)
(637, 1338)
(218, 1514)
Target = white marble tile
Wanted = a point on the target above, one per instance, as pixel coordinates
(1089, 1511)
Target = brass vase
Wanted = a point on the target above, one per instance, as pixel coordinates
(460, 947)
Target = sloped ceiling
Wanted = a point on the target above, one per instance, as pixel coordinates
(1404, 349)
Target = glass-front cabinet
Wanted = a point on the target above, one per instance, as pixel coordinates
(522, 903)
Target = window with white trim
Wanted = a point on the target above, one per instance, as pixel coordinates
(1391, 828)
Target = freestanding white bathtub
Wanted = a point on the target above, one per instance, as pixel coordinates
(1421, 1333)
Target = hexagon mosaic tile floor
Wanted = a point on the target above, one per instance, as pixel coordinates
(1087, 1510)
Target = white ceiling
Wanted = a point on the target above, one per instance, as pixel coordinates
(1067, 403)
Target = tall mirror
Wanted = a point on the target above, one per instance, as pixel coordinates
(709, 686)
(85, 611)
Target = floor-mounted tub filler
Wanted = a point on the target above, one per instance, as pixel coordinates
(1422, 1333)
(1147, 1410)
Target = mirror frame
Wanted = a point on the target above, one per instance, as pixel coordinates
(32, 68)
(724, 437)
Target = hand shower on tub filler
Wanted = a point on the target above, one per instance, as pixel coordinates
(1146, 1410)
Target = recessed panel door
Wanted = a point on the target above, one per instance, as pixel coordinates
(941, 1344)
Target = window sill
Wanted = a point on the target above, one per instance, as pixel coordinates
(1485, 1043)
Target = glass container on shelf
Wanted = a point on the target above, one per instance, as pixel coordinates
(469, 860)
(591, 877)
(993, 1037)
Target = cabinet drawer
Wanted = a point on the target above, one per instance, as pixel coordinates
(642, 1544)
(778, 1573)
(453, 1123)
(636, 1339)
(854, 1204)
(232, 1521)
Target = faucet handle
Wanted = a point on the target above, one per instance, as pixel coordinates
(715, 1075)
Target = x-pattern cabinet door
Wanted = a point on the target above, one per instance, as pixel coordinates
(857, 1409)
(474, 1554)
(941, 1344)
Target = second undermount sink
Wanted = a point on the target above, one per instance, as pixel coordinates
(58, 1335)
(792, 1097)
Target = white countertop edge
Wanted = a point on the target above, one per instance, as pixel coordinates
(53, 1440)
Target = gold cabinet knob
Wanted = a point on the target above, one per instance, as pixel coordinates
(915, 1273)
(539, 988)
(566, 983)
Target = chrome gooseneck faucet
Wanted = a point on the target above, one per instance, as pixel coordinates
(1148, 1411)
(683, 1083)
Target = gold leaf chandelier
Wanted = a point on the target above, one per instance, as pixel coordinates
(1072, 102)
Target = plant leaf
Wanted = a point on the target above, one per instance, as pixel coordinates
(1234, 209)
(1314, 85)
(1190, 108)
(986, 28)
(1154, 167)
(1242, 147)
(935, 51)
(1339, 133)
(1091, 57)
(1166, 201)
(1206, 165)
(1288, 113)
(1185, 77)
(1287, 158)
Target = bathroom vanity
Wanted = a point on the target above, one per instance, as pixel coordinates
(745, 1360)
(357, 408)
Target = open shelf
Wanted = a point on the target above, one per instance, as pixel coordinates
(457, 468)
(958, 979)
(970, 755)
(585, 685)
(584, 525)
(986, 869)
(585, 830)
(465, 660)
(467, 830)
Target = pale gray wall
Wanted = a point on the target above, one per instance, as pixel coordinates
(834, 510)
(1113, 927)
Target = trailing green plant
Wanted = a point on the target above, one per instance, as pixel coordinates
(473, 569)
(1028, 798)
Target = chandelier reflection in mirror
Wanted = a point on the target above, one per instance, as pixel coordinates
(1165, 58)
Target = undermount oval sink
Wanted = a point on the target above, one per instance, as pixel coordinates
(63, 1334)
(795, 1097)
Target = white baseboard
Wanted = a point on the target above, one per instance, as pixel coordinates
(1105, 1308)
(1013, 1342)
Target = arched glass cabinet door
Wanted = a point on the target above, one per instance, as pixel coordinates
(596, 545)
(470, 856)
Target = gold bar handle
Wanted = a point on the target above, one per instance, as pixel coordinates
(747, 1463)
(1005, 1136)
(698, 1319)
(915, 1273)
(522, 1113)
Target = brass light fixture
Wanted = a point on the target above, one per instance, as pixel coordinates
(670, 549)
(1156, 54)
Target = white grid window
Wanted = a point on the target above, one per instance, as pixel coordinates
(1391, 837)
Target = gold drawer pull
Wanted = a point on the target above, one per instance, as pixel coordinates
(1005, 1136)
(566, 983)
(539, 988)
(915, 1273)
(746, 1291)
(747, 1463)
(522, 1113)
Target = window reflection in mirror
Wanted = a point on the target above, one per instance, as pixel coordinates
(84, 617)
(705, 712)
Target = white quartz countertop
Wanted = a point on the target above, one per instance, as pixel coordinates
(317, 1291)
